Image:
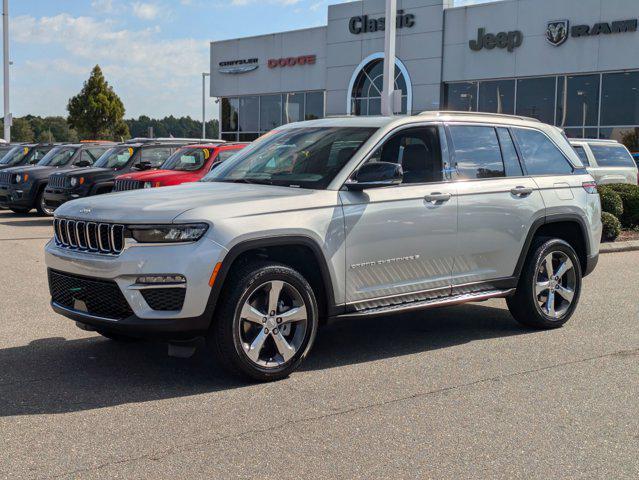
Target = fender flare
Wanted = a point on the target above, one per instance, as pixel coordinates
(546, 220)
(247, 245)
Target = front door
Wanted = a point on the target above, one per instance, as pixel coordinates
(400, 241)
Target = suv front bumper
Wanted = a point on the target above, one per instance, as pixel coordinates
(17, 196)
(195, 261)
(55, 197)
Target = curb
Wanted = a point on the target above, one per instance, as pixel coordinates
(616, 247)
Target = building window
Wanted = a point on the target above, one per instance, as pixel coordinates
(367, 85)
(620, 99)
(628, 136)
(578, 101)
(245, 118)
(582, 132)
(314, 106)
(293, 107)
(497, 96)
(461, 97)
(536, 98)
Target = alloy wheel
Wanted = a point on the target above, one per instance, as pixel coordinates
(272, 324)
(556, 281)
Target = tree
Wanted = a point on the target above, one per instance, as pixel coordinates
(21, 131)
(97, 112)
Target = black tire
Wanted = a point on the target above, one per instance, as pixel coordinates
(41, 207)
(524, 305)
(20, 211)
(118, 337)
(224, 338)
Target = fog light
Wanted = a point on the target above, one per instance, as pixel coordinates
(161, 279)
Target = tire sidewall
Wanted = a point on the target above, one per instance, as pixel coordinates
(542, 252)
(261, 275)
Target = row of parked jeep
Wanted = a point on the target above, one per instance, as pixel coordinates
(45, 176)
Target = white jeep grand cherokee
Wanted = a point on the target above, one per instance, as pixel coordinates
(335, 218)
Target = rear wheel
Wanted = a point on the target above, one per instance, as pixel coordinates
(267, 324)
(549, 287)
(42, 207)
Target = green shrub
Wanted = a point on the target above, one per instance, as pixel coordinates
(610, 201)
(630, 198)
(611, 227)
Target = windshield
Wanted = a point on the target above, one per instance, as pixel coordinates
(612, 156)
(187, 159)
(3, 152)
(115, 158)
(14, 156)
(58, 157)
(296, 157)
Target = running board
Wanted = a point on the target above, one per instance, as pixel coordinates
(437, 302)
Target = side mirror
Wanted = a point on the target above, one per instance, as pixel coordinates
(375, 175)
(144, 166)
(83, 163)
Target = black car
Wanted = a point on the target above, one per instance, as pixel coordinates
(24, 154)
(22, 188)
(100, 178)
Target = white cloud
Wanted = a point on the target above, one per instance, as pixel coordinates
(103, 6)
(145, 11)
(153, 76)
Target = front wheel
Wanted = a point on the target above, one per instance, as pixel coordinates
(42, 207)
(267, 323)
(549, 287)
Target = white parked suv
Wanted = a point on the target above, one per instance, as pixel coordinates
(608, 161)
(335, 218)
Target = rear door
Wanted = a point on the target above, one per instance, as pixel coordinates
(400, 241)
(498, 204)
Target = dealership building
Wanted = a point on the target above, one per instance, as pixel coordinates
(571, 63)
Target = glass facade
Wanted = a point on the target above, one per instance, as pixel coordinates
(366, 97)
(599, 105)
(246, 118)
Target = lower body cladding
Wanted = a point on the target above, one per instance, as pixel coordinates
(147, 290)
(12, 197)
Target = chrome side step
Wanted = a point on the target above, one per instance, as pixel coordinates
(437, 302)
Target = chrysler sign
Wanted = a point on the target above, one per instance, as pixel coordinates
(238, 66)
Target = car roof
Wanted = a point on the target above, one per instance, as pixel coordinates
(442, 116)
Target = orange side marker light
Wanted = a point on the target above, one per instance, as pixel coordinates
(216, 270)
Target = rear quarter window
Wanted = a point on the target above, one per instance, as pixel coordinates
(581, 151)
(612, 156)
(540, 155)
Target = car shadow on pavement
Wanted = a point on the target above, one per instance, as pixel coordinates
(31, 222)
(55, 375)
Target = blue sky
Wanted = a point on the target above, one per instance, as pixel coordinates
(152, 51)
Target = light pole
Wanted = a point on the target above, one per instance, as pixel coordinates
(204, 75)
(5, 53)
(388, 92)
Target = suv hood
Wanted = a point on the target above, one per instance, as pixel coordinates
(34, 171)
(203, 201)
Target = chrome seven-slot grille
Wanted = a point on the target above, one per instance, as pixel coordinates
(5, 178)
(122, 185)
(57, 181)
(103, 238)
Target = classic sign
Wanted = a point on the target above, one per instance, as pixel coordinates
(509, 40)
(365, 24)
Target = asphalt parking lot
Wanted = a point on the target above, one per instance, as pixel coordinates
(460, 392)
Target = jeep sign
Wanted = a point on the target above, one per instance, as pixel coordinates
(509, 40)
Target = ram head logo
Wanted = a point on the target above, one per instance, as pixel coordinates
(557, 32)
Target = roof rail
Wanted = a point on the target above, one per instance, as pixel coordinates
(172, 140)
(600, 140)
(481, 114)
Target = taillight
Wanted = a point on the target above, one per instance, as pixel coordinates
(590, 187)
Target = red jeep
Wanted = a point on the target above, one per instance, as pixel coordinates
(189, 164)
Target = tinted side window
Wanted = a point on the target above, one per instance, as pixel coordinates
(612, 156)
(476, 152)
(155, 156)
(417, 150)
(509, 153)
(540, 155)
(581, 151)
(225, 155)
(94, 153)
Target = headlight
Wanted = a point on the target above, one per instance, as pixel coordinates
(148, 185)
(168, 233)
(18, 178)
(22, 177)
(74, 181)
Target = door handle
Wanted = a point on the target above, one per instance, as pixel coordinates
(521, 191)
(437, 197)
